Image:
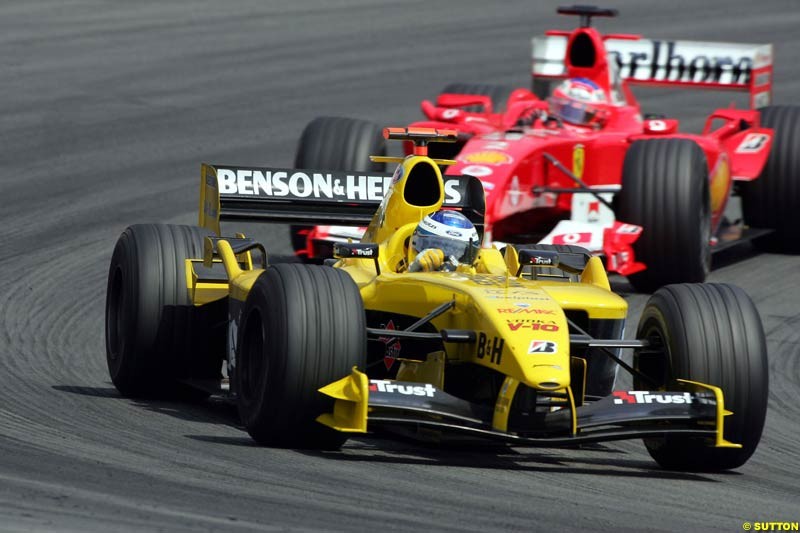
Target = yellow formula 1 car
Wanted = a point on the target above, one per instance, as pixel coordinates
(522, 346)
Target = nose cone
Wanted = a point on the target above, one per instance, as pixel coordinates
(548, 376)
(537, 335)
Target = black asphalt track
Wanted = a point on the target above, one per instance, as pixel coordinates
(107, 109)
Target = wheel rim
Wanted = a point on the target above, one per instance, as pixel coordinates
(253, 366)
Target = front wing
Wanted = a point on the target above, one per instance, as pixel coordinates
(697, 411)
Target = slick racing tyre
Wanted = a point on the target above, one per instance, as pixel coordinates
(709, 333)
(154, 335)
(303, 327)
(336, 143)
(665, 190)
(773, 199)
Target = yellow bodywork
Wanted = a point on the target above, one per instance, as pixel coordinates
(521, 326)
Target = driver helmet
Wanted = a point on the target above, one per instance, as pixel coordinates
(577, 101)
(449, 231)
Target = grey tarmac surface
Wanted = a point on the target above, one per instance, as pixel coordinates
(106, 111)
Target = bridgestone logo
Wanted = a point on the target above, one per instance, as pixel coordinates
(543, 347)
(385, 385)
(645, 397)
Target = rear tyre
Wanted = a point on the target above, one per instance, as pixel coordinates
(336, 143)
(303, 327)
(710, 333)
(665, 190)
(773, 199)
(154, 335)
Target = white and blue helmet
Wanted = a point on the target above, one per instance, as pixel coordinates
(449, 231)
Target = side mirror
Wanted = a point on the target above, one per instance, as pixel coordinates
(357, 250)
(537, 258)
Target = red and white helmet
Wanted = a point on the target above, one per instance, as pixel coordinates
(578, 101)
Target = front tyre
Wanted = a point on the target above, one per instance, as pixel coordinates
(709, 333)
(303, 327)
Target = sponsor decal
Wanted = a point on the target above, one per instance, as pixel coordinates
(249, 182)
(479, 171)
(393, 346)
(645, 397)
(487, 157)
(519, 310)
(491, 347)
(680, 61)
(586, 207)
(542, 347)
(385, 385)
(532, 324)
(573, 238)
(337, 186)
(630, 229)
(513, 294)
(541, 260)
(578, 160)
(753, 142)
(343, 249)
(664, 60)
(522, 304)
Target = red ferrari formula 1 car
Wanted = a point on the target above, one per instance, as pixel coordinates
(585, 167)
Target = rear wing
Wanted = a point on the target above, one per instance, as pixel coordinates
(302, 196)
(697, 64)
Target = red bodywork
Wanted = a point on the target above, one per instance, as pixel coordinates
(512, 151)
